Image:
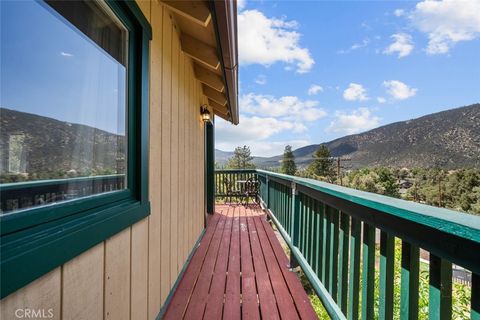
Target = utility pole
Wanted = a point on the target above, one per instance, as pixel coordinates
(440, 192)
(339, 167)
(338, 160)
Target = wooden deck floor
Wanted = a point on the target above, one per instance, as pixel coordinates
(239, 271)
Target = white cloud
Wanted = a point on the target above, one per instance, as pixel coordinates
(241, 4)
(66, 54)
(314, 89)
(352, 122)
(355, 46)
(261, 79)
(399, 12)
(265, 116)
(260, 148)
(402, 44)
(267, 41)
(399, 90)
(287, 108)
(251, 128)
(256, 133)
(355, 92)
(362, 44)
(447, 22)
(381, 100)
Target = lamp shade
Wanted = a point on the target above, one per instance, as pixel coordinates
(206, 117)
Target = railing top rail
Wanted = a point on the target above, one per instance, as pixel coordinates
(236, 170)
(42, 183)
(450, 221)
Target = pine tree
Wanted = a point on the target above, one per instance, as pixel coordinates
(322, 164)
(288, 163)
(241, 159)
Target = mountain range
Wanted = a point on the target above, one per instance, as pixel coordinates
(448, 139)
(42, 144)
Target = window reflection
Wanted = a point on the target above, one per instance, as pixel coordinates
(63, 102)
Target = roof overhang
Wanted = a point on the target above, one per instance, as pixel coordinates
(208, 34)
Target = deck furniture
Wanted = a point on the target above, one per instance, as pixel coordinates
(231, 192)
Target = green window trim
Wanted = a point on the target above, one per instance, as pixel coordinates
(36, 241)
(210, 167)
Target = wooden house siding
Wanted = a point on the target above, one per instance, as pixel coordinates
(130, 275)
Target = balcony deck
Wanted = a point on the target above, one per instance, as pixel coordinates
(239, 271)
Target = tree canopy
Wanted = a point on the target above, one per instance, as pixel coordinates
(242, 159)
(288, 163)
(322, 165)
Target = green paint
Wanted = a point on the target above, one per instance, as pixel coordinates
(475, 301)
(440, 290)
(210, 168)
(334, 252)
(354, 282)
(387, 258)
(324, 244)
(318, 235)
(343, 261)
(409, 286)
(328, 250)
(368, 271)
(52, 235)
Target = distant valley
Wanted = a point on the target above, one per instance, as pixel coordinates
(447, 139)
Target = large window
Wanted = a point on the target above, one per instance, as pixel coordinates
(63, 103)
(73, 130)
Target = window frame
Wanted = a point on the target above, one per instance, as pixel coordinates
(51, 235)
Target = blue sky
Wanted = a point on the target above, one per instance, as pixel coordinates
(43, 71)
(313, 71)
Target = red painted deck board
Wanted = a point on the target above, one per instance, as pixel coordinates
(239, 271)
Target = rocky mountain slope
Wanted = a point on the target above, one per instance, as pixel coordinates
(448, 139)
(48, 144)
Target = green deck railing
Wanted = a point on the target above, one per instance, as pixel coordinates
(21, 195)
(331, 231)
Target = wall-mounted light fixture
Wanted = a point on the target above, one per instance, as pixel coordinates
(206, 117)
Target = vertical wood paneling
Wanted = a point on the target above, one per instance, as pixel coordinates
(139, 271)
(44, 293)
(191, 155)
(83, 282)
(174, 156)
(165, 161)
(155, 177)
(130, 275)
(181, 162)
(117, 276)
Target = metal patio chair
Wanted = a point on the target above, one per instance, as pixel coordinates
(230, 190)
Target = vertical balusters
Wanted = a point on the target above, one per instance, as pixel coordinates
(302, 223)
(334, 253)
(368, 271)
(318, 238)
(328, 248)
(295, 216)
(343, 262)
(310, 231)
(409, 286)
(387, 258)
(289, 212)
(314, 239)
(354, 281)
(324, 242)
(440, 290)
(475, 299)
(308, 221)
